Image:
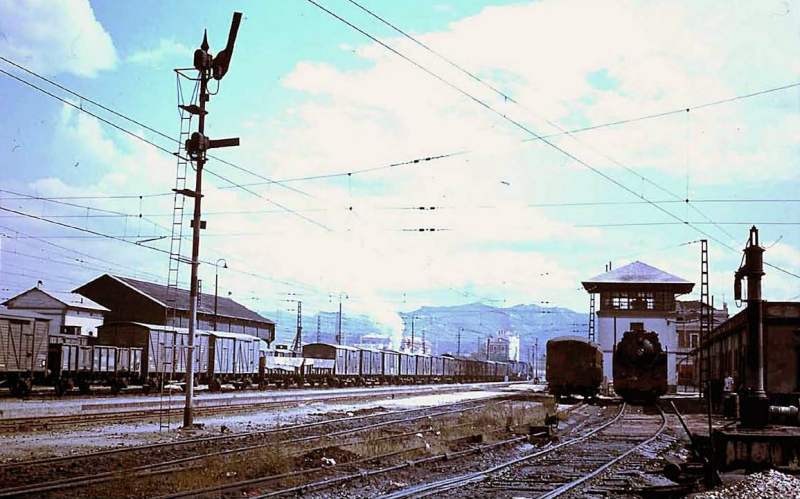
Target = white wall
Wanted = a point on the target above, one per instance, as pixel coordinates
(665, 329)
(89, 321)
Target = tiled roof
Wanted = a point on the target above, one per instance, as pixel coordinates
(637, 273)
(225, 306)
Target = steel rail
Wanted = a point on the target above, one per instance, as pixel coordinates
(50, 421)
(571, 485)
(236, 436)
(365, 474)
(426, 489)
(153, 468)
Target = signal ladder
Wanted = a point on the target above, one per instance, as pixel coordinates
(176, 238)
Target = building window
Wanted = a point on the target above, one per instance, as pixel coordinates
(71, 330)
(694, 340)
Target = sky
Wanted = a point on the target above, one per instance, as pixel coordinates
(517, 218)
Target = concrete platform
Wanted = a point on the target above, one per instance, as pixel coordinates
(772, 447)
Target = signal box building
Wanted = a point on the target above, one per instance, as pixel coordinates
(637, 297)
(132, 300)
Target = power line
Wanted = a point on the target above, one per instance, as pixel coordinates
(525, 128)
(70, 250)
(551, 123)
(648, 224)
(143, 139)
(138, 123)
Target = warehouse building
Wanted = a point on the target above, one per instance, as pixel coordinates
(139, 301)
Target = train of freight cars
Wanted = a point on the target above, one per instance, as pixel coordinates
(131, 353)
(575, 367)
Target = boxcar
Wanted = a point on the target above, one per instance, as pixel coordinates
(23, 349)
(437, 367)
(574, 366)
(450, 369)
(232, 357)
(391, 365)
(371, 364)
(423, 367)
(408, 366)
(164, 349)
(347, 365)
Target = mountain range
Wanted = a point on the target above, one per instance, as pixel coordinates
(440, 326)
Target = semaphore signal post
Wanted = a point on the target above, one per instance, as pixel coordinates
(196, 146)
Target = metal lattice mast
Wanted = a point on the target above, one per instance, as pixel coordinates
(705, 313)
(297, 346)
(591, 334)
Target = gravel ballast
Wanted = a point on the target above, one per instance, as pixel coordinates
(765, 484)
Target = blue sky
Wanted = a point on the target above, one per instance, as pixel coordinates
(309, 96)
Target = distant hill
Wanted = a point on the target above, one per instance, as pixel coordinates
(440, 325)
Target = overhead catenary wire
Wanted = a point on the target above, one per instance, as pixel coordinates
(551, 123)
(139, 123)
(527, 129)
(141, 138)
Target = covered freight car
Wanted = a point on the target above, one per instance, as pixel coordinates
(23, 349)
(574, 366)
(346, 361)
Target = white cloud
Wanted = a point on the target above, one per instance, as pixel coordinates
(55, 36)
(543, 53)
(166, 51)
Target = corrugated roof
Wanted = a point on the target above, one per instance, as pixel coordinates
(226, 307)
(637, 273)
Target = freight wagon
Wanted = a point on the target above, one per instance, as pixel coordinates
(219, 357)
(23, 350)
(574, 366)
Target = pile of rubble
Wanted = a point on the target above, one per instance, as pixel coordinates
(766, 484)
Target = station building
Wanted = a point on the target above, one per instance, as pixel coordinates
(637, 296)
(69, 313)
(140, 301)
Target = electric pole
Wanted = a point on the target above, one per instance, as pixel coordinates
(298, 338)
(458, 351)
(339, 323)
(318, 328)
(196, 146)
(412, 332)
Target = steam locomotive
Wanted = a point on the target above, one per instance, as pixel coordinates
(640, 367)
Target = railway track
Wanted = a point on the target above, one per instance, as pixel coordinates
(556, 470)
(58, 475)
(323, 477)
(226, 406)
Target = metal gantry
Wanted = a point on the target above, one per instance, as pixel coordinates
(705, 313)
(591, 317)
